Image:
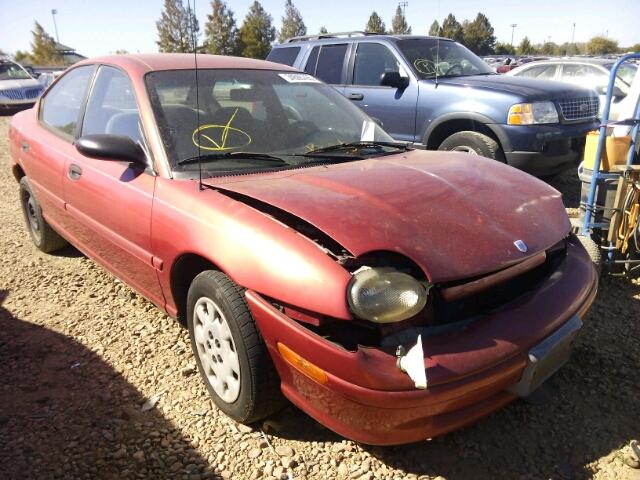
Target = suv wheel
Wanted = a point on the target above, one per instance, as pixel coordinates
(231, 355)
(473, 143)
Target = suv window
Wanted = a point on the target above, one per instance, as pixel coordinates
(312, 61)
(284, 55)
(547, 72)
(330, 63)
(372, 61)
(62, 104)
(112, 107)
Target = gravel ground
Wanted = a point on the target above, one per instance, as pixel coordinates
(97, 383)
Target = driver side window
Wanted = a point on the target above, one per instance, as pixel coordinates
(372, 61)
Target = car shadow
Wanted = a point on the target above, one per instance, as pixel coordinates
(66, 413)
(582, 414)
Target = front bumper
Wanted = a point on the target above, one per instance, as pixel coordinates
(366, 397)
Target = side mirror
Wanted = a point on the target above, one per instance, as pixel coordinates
(393, 79)
(111, 147)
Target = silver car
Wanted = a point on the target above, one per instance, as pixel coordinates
(17, 87)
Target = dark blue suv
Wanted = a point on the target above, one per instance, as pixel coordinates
(435, 93)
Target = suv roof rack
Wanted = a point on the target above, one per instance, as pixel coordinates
(304, 38)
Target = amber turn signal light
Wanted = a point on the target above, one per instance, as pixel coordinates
(302, 365)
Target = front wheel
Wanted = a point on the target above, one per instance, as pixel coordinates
(473, 143)
(231, 355)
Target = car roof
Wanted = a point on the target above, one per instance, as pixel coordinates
(183, 61)
(587, 60)
(343, 39)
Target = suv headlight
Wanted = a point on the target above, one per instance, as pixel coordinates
(384, 295)
(532, 113)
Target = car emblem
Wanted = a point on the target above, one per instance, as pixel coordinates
(520, 245)
(584, 107)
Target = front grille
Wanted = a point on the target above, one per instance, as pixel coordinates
(21, 94)
(582, 108)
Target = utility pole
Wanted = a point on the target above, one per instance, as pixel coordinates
(403, 5)
(513, 27)
(53, 15)
(573, 33)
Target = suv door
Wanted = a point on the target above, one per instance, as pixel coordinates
(110, 201)
(394, 107)
(328, 63)
(45, 155)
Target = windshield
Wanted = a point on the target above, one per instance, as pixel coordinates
(428, 56)
(626, 72)
(12, 71)
(255, 120)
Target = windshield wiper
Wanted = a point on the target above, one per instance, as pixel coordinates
(354, 146)
(235, 155)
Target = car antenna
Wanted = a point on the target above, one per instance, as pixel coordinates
(437, 48)
(194, 39)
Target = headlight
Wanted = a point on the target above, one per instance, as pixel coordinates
(532, 113)
(384, 295)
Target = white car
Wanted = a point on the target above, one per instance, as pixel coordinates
(587, 72)
(17, 87)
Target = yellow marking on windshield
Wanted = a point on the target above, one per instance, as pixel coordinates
(238, 137)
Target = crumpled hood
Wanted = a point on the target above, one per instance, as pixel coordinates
(454, 215)
(530, 88)
(22, 83)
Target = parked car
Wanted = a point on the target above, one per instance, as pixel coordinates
(17, 87)
(393, 294)
(437, 94)
(590, 72)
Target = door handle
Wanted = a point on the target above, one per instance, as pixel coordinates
(75, 172)
(355, 96)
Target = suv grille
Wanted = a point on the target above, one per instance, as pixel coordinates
(579, 108)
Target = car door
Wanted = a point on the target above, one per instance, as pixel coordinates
(46, 149)
(110, 201)
(394, 107)
(328, 63)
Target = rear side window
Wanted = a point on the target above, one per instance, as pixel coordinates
(284, 55)
(62, 104)
(546, 72)
(112, 107)
(331, 63)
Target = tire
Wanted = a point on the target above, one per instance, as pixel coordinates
(473, 143)
(593, 249)
(43, 236)
(233, 361)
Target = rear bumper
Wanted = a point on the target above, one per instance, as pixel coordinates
(366, 398)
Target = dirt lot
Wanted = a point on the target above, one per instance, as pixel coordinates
(80, 354)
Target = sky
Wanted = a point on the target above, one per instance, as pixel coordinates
(101, 27)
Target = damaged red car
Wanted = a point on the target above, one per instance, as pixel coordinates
(391, 293)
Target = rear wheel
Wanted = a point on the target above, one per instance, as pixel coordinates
(473, 143)
(231, 355)
(42, 234)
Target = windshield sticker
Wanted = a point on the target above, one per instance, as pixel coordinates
(226, 136)
(298, 78)
(425, 66)
(368, 131)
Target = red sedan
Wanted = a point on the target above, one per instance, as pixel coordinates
(393, 294)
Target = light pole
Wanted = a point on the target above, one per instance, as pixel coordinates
(403, 5)
(573, 39)
(513, 27)
(53, 15)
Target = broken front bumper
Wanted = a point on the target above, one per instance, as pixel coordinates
(365, 396)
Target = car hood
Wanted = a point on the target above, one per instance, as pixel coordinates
(456, 216)
(527, 87)
(21, 83)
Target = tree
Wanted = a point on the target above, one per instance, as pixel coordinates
(43, 49)
(399, 24)
(478, 35)
(525, 47)
(323, 30)
(435, 30)
(121, 51)
(220, 31)
(549, 48)
(22, 57)
(452, 29)
(505, 49)
(257, 32)
(375, 24)
(177, 28)
(292, 24)
(602, 46)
